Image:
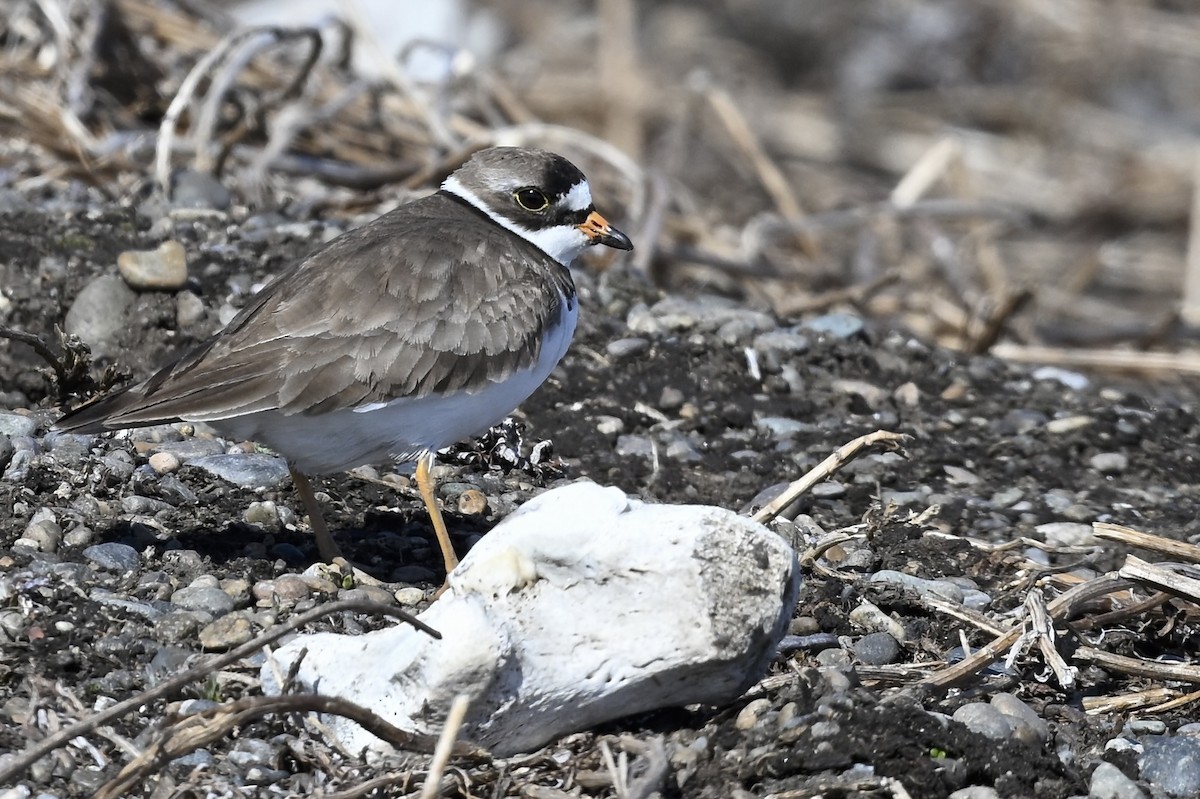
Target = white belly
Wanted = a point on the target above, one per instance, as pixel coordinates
(399, 430)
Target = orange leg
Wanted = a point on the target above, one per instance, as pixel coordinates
(425, 485)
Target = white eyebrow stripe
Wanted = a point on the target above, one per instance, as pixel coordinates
(579, 198)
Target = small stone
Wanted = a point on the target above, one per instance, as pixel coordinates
(907, 394)
(941, 588)
(45, 536)
(627, 347)
(264, 514)
(1147, 726)
(286, 589)
(17, 424)
(98, 314)
(135, 504)
(472, 502)
(671, 399)
(246, 470)
(160, 269)
(233, 629)
(164, 462)
(410, 596)
(1027, 725)
(1109, 782)
(871, 618)
(609, 425)
(189, 309)
(1067, 534)
(877, 649)
(1072, 380)
(984, 719)
(682, 450)
(371, 593)
(839, 325)
(79, 536)
(209, 599)
(634, 446)
(1171, 764)
(192, 189)
(1068, 424)
(113, 556)
(177, 627)
(781, 427)
(1109, 462)
(960, 476)
(749, 715)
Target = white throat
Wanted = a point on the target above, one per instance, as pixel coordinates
(561, 242)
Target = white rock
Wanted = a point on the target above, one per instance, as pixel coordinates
(581, 607)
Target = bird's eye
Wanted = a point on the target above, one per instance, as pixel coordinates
(531, 199)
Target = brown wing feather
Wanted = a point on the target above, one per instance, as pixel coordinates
(406, 305)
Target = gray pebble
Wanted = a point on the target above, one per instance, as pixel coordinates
(178, 626)
(780, 427)
(46, 534)
(1147, 726)
(192, 189)
(1067, 534)
(609, 425)
(246, 470)
(17, 424)
(1027, 725)
(226, 632)
(637, 446)
(627, 347)
(1068, 424)
(939, 588)
(671, 399)
(98, 315)
(1109, 782)
(1171, 764)
(161, 269)
(682, 450)
(189, 309)
(145, 506)
(189, 449)
(877, 649)
(113, 556)
(984, 719)
(839, 325)
(208, 599)
(79, 536)
(830, 489)
(781, 341)
(1109, 462)
(749, 715)
(370, 593)
(1072, 380)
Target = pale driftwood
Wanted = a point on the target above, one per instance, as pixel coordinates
(1183, 363)
(1176, 672)
(1163, 579)
(1156, 543)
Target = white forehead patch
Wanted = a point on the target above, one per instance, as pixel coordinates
(561, 242)
(579, 198)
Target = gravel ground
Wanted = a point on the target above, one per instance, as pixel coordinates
(128, 558)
